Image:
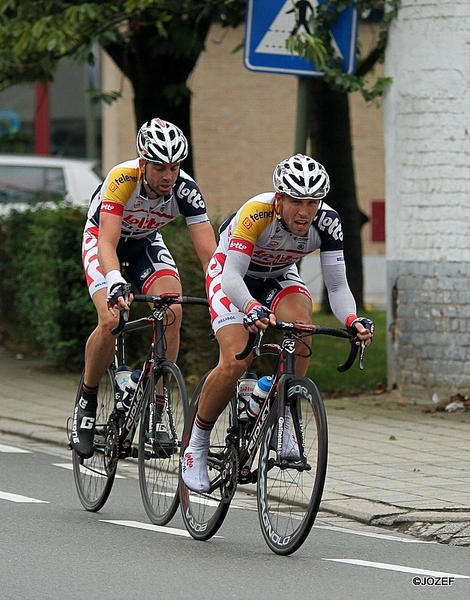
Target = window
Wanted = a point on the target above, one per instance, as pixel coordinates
(21, 184)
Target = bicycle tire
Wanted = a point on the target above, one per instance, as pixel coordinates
(94, 477)
(203, 514)
(288, 499)
(158, 463)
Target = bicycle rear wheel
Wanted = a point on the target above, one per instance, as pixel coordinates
(159, 459)
(290, 491)
(94, 477)
(203, 514)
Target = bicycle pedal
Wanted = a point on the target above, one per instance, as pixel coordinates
(162, 450)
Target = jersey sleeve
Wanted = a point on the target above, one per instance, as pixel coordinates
(253, 219)
(118, 187)
(328, 224)
(190, 200)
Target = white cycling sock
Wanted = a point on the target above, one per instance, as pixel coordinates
(194, 468)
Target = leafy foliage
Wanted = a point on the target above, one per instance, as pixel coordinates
(35, 34)
(45, 307)
(319, 49)
(43, 286)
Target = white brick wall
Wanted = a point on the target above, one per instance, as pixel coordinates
(427, 157)
(427, 130)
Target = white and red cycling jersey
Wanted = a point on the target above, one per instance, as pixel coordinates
(141, 246)
(263, 256)
(123, 193)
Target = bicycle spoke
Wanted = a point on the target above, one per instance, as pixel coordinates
(203, 514)
(158, 454)
(92, 476)
(289, 491)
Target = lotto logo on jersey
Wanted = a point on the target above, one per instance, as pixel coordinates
(247, 223)
(333, 226)
(239, 245)
(192, 196)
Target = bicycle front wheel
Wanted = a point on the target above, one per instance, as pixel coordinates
(158, 456)
(203, 514)
(290, 490)
(94, 477)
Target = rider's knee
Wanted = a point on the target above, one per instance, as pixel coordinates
(232, 369)
(175, 315)
(107, 322)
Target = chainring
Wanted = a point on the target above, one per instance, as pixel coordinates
(229, 474)
(111, 449)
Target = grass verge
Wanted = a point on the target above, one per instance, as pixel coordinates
(329, 352)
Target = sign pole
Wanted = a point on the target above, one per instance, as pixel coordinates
(301, 125)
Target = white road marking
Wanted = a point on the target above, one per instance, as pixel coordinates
(84, 470)
(13, 450)
(18, 498)
(151, 527)
(380, 536)
(389, 567)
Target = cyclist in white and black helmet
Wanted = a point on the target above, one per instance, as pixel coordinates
(253, 279)
(136, 199)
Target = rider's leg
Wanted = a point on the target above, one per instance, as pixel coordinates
(215, 395)
(99, 349)
(99, 352)
(173, 317)
(296, 307)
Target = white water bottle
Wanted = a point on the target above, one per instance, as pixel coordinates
(129, 391)
(122, 376)
(246, 385)
(259, 395)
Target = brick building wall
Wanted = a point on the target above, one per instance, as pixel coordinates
(427, 142)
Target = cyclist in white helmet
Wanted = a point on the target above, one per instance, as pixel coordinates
(253, 279)
(136, 199)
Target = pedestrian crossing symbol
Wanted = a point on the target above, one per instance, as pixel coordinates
(269, 23)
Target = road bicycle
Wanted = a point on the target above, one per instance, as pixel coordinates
(289, 484)
(160, 397)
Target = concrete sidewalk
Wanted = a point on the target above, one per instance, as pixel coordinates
(390, 463)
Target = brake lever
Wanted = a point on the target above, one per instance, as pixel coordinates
(126, 296)
(257, 348)
(362, 350)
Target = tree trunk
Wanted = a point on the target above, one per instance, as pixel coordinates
(158, 74)
(330, 137)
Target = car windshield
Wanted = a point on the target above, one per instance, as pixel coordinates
(22, 184)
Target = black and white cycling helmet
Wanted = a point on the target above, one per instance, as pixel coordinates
(301, 177)
(161, 142)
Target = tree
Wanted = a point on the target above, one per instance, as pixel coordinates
(155, 43)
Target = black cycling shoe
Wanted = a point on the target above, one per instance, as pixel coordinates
(161, 434)
(83, 427)
(163, 446)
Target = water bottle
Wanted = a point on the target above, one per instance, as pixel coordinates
(246, 385)
(259, 395)
(122, 376)
(129, 391)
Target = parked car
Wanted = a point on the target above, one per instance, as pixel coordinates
(26, 180)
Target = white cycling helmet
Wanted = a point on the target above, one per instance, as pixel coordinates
(301, 177)
(161, 142)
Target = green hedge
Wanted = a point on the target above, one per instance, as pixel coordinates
(45, 306)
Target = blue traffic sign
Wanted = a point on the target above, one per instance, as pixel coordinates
(269, 23)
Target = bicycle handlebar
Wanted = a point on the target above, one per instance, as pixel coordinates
(303, 328)
(163, 301)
